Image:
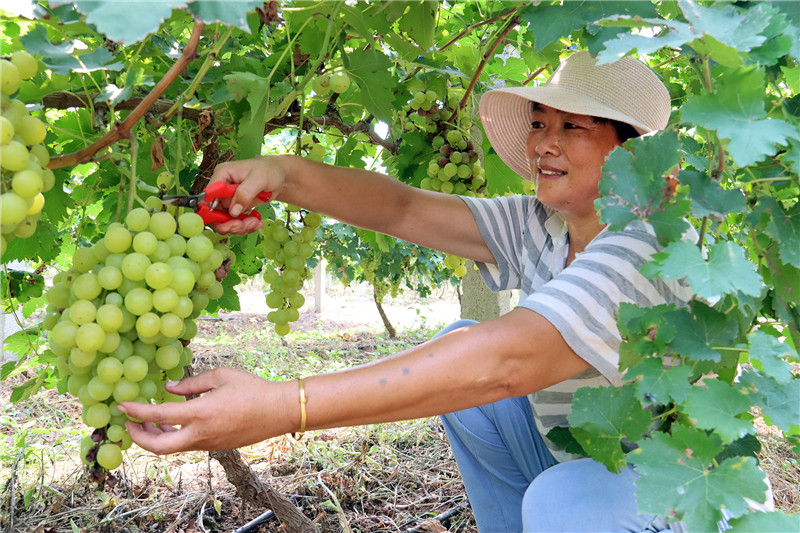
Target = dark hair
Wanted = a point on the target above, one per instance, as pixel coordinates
(624, 130)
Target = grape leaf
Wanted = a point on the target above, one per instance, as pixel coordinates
(678, 479)
(553, 21)
(701, 329)
(602, 417)
(633, 186)
(779, 401)
(645, 331)
(784, 227)
(659, 385)
(419, 22)
(64, 58)
(708, 198)
(727, 271)
(115, 21)
(736, 112)
(768, 354)
(370, 70)
(715, 406)
(230, 12)
(774, 522)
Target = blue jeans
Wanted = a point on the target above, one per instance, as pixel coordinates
(514, 484)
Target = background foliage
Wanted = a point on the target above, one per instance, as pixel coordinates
(732, 71)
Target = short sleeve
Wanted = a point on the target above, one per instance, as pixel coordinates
(513, 229)
(582, 301)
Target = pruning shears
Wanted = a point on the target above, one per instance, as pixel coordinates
(206, 203)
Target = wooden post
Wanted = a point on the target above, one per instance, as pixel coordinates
(319, 285)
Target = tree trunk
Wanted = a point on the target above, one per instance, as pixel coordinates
(260, 494)
(388, 325)
(256, 492)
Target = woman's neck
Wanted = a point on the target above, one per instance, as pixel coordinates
(581, 233)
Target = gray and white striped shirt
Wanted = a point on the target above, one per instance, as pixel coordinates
(530, 244)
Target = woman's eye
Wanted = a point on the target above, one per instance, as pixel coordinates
(571, 126)
(536, 125)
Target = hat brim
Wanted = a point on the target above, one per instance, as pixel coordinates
(506, 117)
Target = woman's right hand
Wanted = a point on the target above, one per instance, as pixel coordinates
(253, 176)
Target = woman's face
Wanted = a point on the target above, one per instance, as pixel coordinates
(566, 153)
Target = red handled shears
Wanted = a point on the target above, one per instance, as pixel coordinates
(206, 204)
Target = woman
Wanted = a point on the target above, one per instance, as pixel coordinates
(505, 383)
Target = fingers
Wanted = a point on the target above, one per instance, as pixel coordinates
(159, 440)
(174, 414)
(253, 176)
(195, 384)
(238, 227)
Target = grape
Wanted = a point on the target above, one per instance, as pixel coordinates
(158, 275)
(13, 209)
(14, 156)
(82, 312)
(87, 286)
(118, 239)
(26, 64)
(134, 266)
(9, 77)
(31, 129)
(109, 277)
(97, 415)
(135, 368)
(199, 248)
(6, 130)
(339, 82)
(109, 456)
(90, 337)
(145, 243)
(138, 219)
(109, 370)
(322, 84)
(190, 225)
(163, 225)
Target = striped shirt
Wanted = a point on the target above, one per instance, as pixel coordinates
(530, 244)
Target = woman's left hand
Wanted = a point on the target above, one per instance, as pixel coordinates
(235, 409)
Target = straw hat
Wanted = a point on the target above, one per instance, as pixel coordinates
(626, 91)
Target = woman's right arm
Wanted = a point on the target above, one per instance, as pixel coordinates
(357, 197)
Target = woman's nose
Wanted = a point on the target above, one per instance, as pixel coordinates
(544, 142)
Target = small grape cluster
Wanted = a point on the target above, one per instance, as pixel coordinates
(288, 244)
(24, 175)
(456, 168)
(121, 318)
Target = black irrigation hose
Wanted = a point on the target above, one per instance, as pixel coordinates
(254, 523)
(450, 513)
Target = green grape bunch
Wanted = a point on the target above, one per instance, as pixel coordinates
(120, 320)
(455, 167)
(24, 175)
(288, 243)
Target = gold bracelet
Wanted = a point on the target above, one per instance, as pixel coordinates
(302, 405)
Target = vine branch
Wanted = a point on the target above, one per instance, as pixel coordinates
(121, 130)
(484, 60)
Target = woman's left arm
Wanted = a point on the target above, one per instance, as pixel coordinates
(514, 355)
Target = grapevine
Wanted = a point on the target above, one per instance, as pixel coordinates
(24, 175)
(121, 318)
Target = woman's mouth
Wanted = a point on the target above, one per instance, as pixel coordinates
(550, 172)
